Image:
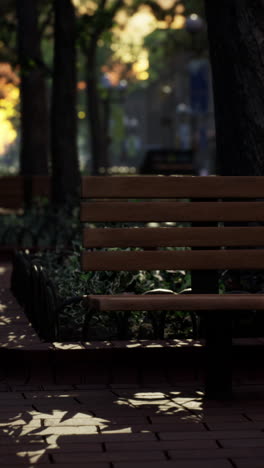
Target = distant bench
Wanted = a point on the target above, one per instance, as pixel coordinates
(168, 161)
(12, 189)
(218, 237)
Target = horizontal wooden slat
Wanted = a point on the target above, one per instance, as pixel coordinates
(14, 185)
(10, 179)
(173, 237)
(171, 187)
(11, 205)
(171, 211)
(173, 260)
(10, 188)
(178, 302)
(11, 191)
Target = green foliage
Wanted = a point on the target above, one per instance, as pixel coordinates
(41, 226)
(163, 44)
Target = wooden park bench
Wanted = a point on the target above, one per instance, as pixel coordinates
(220, 226)
(168, 161)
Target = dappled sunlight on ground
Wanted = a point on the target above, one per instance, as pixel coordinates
(92, 425)
(123, 426)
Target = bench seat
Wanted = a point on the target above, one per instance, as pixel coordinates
(176, 302)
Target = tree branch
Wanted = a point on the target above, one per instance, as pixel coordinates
(102, 4)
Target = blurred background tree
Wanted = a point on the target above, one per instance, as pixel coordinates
(123, 46)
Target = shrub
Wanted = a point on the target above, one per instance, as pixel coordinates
(41, 226)
(70, 282)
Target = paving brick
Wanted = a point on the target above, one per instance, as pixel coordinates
(259, 416)
(125, 429)
(215, 435)
(219, 412)
(4, 388)
(249, 463)
(93, 421)
(57, 388)
(59, 415)
(61, 430)
(43, 463)
(217, 453)
(175, 464)
(161, 445)
(19, 422)
(16, 440)
(11, 449)
(43, 395)
(10, 396)
(181, 418)
(25, 458)
(98, 438)
(74, 422)
(242, 426)
(188, 427)
(64, 445)
(177, 427)
(63, 405)
(91, 386)
(16, 407)
(26, 387)
(224, 418)
(235, 443)
(108, 457)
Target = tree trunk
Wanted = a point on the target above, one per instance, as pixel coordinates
(66, 175)
(236, 37)
(34, 106)
(95, 115)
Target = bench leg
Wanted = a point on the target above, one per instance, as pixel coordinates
(218, 379)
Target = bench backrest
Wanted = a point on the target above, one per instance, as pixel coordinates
(220, 212)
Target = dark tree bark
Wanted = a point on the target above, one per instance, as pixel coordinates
(236, 38)
(66, 175)
(34, 106)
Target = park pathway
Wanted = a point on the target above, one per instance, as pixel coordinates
(60, 405)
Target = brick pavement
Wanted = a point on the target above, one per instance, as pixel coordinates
(106, 426)
(118, 416)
